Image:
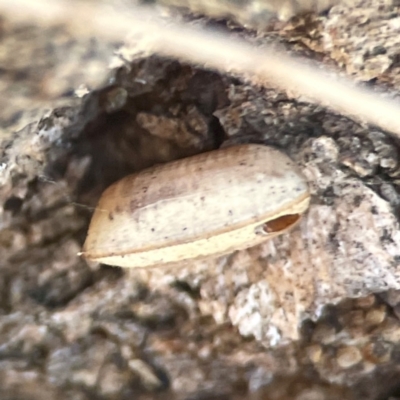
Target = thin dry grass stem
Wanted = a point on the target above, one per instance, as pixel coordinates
(213, 50)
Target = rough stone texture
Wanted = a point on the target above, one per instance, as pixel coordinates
(253, 13)
(38, 71)
(250, 325)
(365, 42)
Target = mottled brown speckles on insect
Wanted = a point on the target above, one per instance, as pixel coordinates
(118, 210)
(203, 206)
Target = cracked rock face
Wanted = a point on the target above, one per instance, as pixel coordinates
(297, 317)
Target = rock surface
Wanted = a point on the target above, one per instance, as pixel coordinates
(310, 315)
